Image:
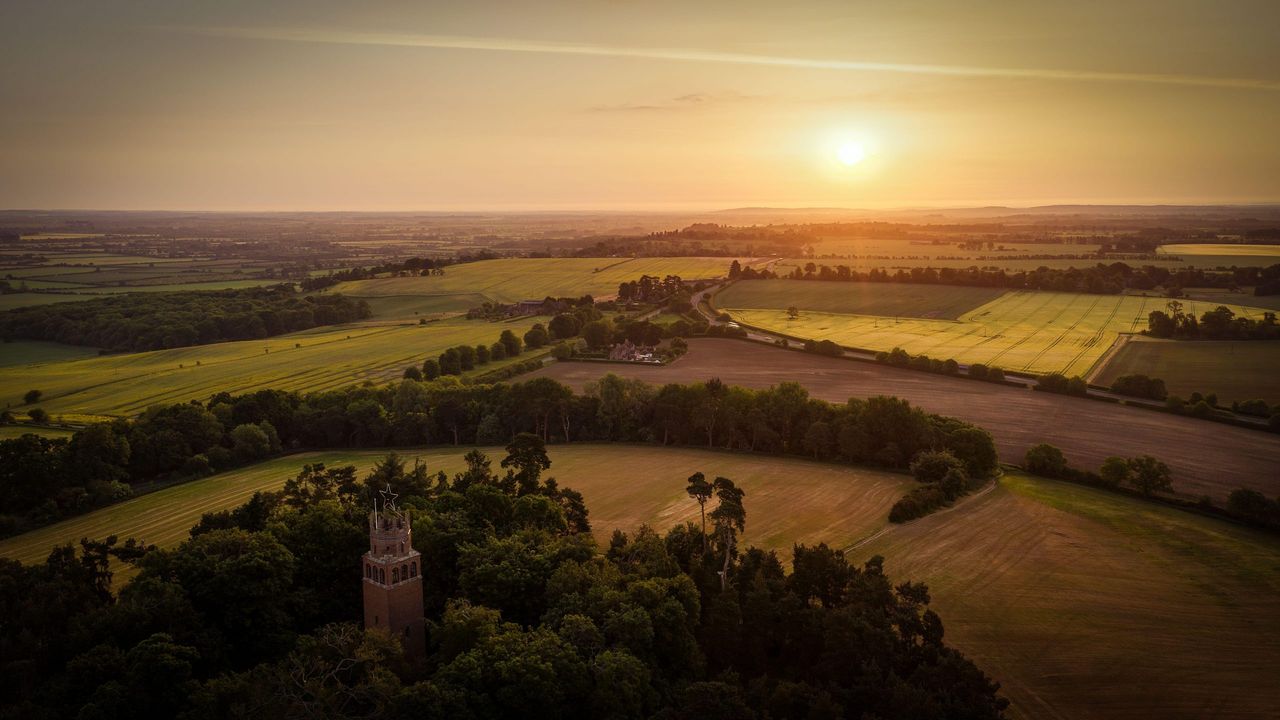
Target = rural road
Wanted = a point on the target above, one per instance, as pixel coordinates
(1207, 458)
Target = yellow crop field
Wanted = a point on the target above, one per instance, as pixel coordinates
(1221, 249)
(1029, 331)
(515, 279)
(318, 359)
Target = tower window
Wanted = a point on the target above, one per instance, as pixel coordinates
(395, 575)
(413, 569)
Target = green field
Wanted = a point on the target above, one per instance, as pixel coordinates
(1086, 604)
(1235, 370)
(325, 358)
(414, 307)
(514, 279)
(10, 301)
(1226, 297)
(25, 352)
(9, 432)
(824, 502)
(1020, 330)
(856, 298)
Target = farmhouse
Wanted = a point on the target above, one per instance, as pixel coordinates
(525, 307)
(630, 352)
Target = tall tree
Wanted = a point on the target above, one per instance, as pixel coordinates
(701, 490)
(729, 518)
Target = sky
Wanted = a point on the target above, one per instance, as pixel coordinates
(627, 105)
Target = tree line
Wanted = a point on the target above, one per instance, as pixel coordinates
(1109, 278)
(44, 479)
(650, 289)
(421, 266)
(1151, 479)
(1219, 323)
(527, 616)
(136, 322)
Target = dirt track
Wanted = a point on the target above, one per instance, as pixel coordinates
(1207, 458)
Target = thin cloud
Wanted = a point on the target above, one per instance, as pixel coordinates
(452, 42)
(691, 101)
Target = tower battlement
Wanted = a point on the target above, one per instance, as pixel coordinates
(393, 579)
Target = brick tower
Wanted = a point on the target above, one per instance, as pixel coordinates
(392, 578)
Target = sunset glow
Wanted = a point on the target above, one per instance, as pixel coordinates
(851, 153)
(562, 105)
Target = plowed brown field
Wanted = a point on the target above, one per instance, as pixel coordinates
(1207, 458)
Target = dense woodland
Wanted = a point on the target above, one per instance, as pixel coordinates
(1112, 278)
(137, 322)
(255, 615)
(43, 479)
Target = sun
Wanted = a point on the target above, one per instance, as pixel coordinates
(851, 153)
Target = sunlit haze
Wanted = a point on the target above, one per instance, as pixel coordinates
(611, 105)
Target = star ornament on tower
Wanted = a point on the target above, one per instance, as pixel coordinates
(388, 498)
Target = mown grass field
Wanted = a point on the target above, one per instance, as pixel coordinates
(23, 352)
(514, 279)
(1090, 605)
(318, 359)
(1235, 370)
(822, 502)
(1020, 330)
(890, 299)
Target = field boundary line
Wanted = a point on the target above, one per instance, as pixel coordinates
(1101, 363)
(995, 482)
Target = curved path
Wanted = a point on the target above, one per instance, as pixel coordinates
(1207, 458)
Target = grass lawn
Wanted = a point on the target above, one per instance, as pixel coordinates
(24, 352)
(1024, 330)
(317, 359)
(788, 500)
(514, 279)
(1085, 604)
(856, 298)
(1234, 369)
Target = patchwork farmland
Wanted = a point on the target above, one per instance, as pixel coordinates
(515, 279)
(1027, 331)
